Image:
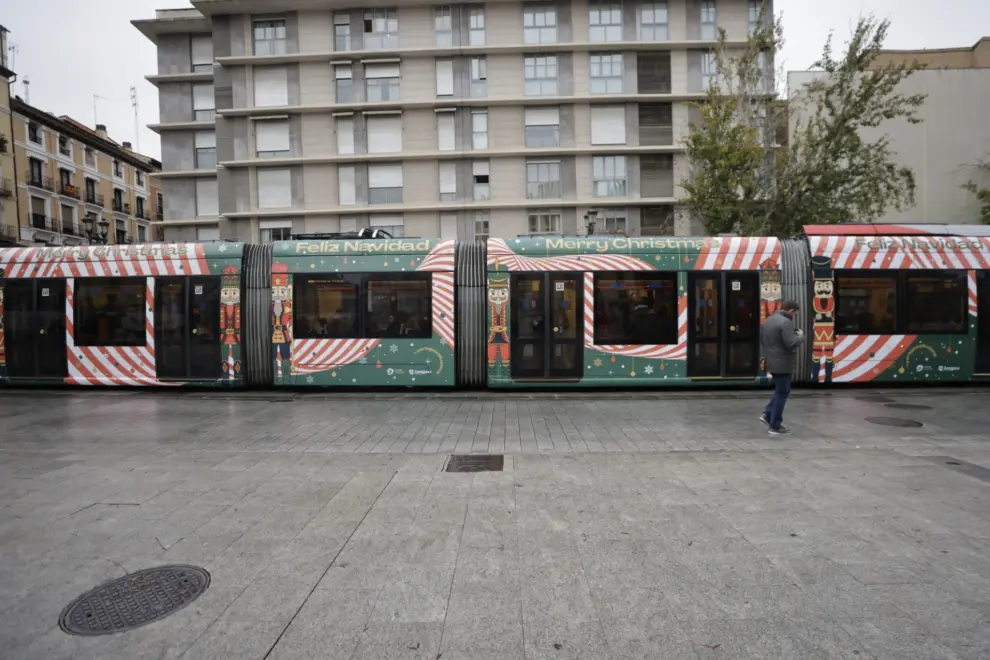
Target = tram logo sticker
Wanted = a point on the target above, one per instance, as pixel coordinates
(823, 304)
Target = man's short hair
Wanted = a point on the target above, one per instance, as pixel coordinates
(791, 306)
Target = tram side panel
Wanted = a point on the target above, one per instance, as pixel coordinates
(144, 315)
(355, 313)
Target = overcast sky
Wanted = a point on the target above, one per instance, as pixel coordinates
(89, 47)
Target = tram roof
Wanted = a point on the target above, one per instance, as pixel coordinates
(897, 230)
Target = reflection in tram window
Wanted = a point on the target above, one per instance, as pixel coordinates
(110, 312)
(398, 306)
(706, 308)
(866, 305)
(635, 308)
(936, 302)
(326, 306)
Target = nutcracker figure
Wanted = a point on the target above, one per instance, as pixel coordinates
(230, 317)
(281, 318)
(770, 291)
(498, 336)
(823, 304)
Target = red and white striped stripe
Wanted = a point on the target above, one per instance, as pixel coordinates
(851, 252)
(440, 257)
(82, 261)
(861, 358)
(737, 253)
(313, 355)
(676, 351)
(443, 307)
(499, 254)
(973, 301)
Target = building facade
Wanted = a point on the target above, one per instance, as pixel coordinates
(501, 119)
(8, 173)
(68, 174)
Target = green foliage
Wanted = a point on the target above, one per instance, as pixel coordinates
(981, 191)
(741, 181)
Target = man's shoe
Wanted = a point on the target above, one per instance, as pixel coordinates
(765, 419)
(780, 430)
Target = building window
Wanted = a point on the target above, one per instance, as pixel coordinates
(605, 21)
(606, 73)
(275, 230)
(613, 221)
(139, 205)
(139, 178)
(476, 23)
(755, 9)
(609, 175)
(448, 181)
(481, 225)
(345, 135)
(118, 169)
(65, 186)
(345, 185)
(656, 125)
(91, 191)
(142, 234)
(480, 177)
(393, 224)
(656, 175)
(201, 53)
(110, 312)
(64, 146)
(159, 206)
(341, 31)
(271, 137)
(271, 87)
(89, 157)
(543, 180)
(608, 124)
(479, 77)
(653, 25)
(206, 150)
(448, 225)
(708, 29)
(445, 78)
(384, 133)
(34, 133)
(539, 23)
(118, 200)
(540, 72)
(382, 82)
(274, 188)
(385, 184)
(343, 83)
(635, 308)
(544, 222)
(653, 72)
(381, 29)
(442, 26)
(707, 70)
(866, 304)
(269, 37)
(542, 127)
(36, 172)
(207, 203)
(446, 138)
(204, 107)
(936, 302)
(479, 129)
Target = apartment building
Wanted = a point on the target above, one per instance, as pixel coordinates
(76, 185)
(502, 118)
(8, 174)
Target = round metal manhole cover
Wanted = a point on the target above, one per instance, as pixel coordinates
(875, 398)
(894, 421)
(134, 600)
(908, 406)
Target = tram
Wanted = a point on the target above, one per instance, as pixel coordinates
(879, 303)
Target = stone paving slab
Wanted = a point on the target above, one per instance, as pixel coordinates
(653, 527)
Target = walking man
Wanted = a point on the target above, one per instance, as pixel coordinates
(780, 343)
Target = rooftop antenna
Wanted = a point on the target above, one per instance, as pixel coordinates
(137, 122)
(12, 49)
(95, 98)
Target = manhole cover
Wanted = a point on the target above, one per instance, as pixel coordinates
(476, 463)
(909, 406)
(875, 398)
(134, 600)
(894, 421)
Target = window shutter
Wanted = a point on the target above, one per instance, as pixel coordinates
(271, 135)
(274, 189)
(202, 49)
(206, 197)
(275, 224)
(342, 71)
(203, 97)
(385, 221)
(345, 136)
(206, 140)
(384, 134)
(448, 225)
(480, 167)
(542, 116)
(381, 70)
(345, 186)
(445, 78)
(271, 87)
(385, 176)
(445, 131)
(448, 178)
(608, 124)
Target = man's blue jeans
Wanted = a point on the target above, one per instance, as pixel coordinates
(774, 410)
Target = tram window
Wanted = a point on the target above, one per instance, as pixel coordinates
(866, 305)
(326, 306)
(635, 308)
(936, 302)
(398, 305)
(110, 312)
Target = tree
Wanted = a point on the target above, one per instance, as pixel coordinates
(982, 191)
(740, 178)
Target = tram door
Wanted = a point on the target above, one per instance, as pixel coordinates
(34, 328)
(187, 328)
(982, 366)
(723, 324)
(547, 326)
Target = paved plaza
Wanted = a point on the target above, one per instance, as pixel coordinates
(624, 526)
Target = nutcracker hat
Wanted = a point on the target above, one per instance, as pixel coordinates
(769, 271)
(230, 277)
(821, 268)
(280, 274)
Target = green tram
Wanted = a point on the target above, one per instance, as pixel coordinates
(879, 303)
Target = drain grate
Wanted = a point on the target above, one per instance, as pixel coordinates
(134, 600)
(894, 421)
(909, 406)
(476, 463)
(875, 398)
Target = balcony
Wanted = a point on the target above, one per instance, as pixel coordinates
(6, 188)
(44, 223)
(68, 190)
(4, 143)
(71, 230)
(160, 214)
(121, 207)
(39, 181)
(9, 235)
(142, 214)
(93, 197)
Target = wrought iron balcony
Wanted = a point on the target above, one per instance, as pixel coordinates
(6, 188)
(43, 222)
(142, 214)
(68, 189)
(38, 181)
(94, 198)
(9, 234)
(121, 207)
(4, 143)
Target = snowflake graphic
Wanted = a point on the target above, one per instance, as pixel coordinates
(648, 369)
(223, 247)
(597, 362)
(309, 379)
(363, 360)
(394, 348)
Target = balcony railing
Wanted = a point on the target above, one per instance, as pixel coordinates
(94, 198)
(121, 207)
(71, 230)
(6, 188)
(9, 234)
(159, 214)
(4, 143)
(38, 181)
(42, 221)
(68, 190)
(142, 214)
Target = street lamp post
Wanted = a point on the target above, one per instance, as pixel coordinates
(96, 231)
(589, 220)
